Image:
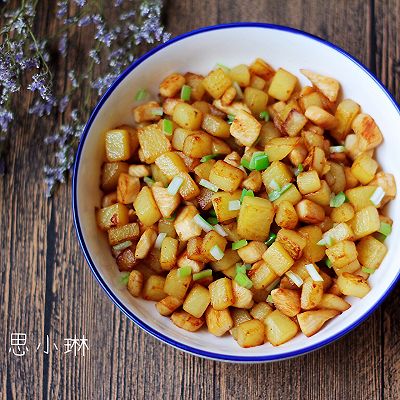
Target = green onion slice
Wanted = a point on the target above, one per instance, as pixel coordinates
(368, 270)
(212, 220)
(337, 149)
(122, 246)
(240, 268)
(259, 161)
(217, 253)
(186, 92)
(328, 263)
(299, 169)
(157, 111)
(202, 274)
(234, 205)
(296, 279)
(239, 244)
(141, 94)
(200, 221)
(245, 193)
(231, 117)
(243, 280)
(208, 185)
(377, 196)
(269, 299)
(264, 115)
(124, 277)
(209, 157)
(167, 127)
(184, 271)
(271, 239)
(174, 185)
(212, 213)
(245, 163)
(385, 229)
(338, 200)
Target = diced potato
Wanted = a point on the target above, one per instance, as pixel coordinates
(146, 207)
(339, 232)
(253, 181)
(353, 285)
(268, 132)
(128, 188)
(359, 197)
(179, 137)
(175, 285)
(215, 126)
(171, 85)
(311, 293)
(220, 147)
(322, 196)
(342, 253)
(255, 209)
(232, 108)
(135, 283)
(345, 113)
(292, 241)
(278, 259)
(230, 272)
(167, 226)
(252, 252)
(292, 195)
(282, 85)
(279, 328)
(364, 168)
(256, 100)
(203, 169)
(169, 252)
(123, 233)
(261, 310)
(228, 96)
(286, 301)
(197, 145)
(117, 143)
(286, 216)
(365, 127)
(277, 173)
(245, 128)
(257, 82)
(111, 173)
(225, 176)
(351, 180)
(168, 305)
(230, 258)
(210, 240)
(184, 320)
(335, 177)
(126, 260)
(185, 227)
(308, 182)
(112, 216)
(343, 213)
(240, 74)
(146, 112)
(187, 116)
(312, 321)
(312, 251)
(239, 316)
(279, 147)
(329, 87)
(145, 243)
(139, 171)
(189, 189)
(216, 82)
(310, 212)
(262, 275)
(196, 83)
(294, 122)
(260, 68)
(352, 267)
(221, 293)
(243, 297)
(153, 142)
(365, 222)
(167, 203)
(333, 302)
(371, 252)
(185, 261)
(158, 175)
(309, 97)
(218, 321)
(316, 160)
(387, 183)
(169, 105)
(197, 301)
(250, 333)
(153, 288)
(312, 139)
(321, 117)
(194, 249)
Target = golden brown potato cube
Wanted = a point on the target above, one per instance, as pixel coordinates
(168, 305)
(146, 207)
(171, 85)
(220, 147)
(111, 173)
(128, 188)
(310, 212)
(167, 226)
(228, 96)
(308, 182)
(169, 252)
(292, 195)
(218, 321)
(203, 169)
(112, 216)
(245, 128)
(282, 85)
(371, 252)
(252, 252)
(345, 113)
(256, 100)
(333, 302)
(268, 132)
(123, 233)
(139, 171)
(240, 74)
(364, 168)
(366, 129)
(126, 260)
(197, 145)
(117, 143)
(253, 181)
(321, 117)
(153, 142)
(279, 328)
(145, 243)
(153, 288)
(185, 227)
(343, 213)
(220, 203)
(294, 123)
(175, 285)
(261, 310)
(197, 301)
(147, 112)
(311, 322)
(277, 173)
(337, 233)
(221, 293)
(255, 209)
(135, 283)
(194, 249)
(279, 147)
(278, 259)
(342, 253)
(352, 285)
(229, 259)
(216, 83)
(225, 176)
(187, 116)
(184, 320)
(292, 241)
(167, 203)
(312, 251)
(286, 301)
(169, 105)
(387, 183)
(179, 137)
(260, 68)
(196, 83)
(316, 160)
(286, 216)
(215, 126)
(311, 293)
(335, 177)
(257, 82)
(250, 333)
(189, 189)
(109, 199)
(365, 222)
(243, 297)
(239, 316)
(262, 275)
(210, 240)
(359, 197)
(329, 87)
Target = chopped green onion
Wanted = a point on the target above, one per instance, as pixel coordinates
(286, 188)
(245, 163)
(171, 218)
(243, 280)
(338, 200)
(122, 246)
(240, 268)
(157, 111)
(186, 92)
(212, 220)
(328, 263)
(248, 266)
(234, 205)
(385, 229)
(296, 279)
(239, 244)
(245, 193)
(337, 149)
(231, 118)
(259, 161)
(220, 230)
(269, 299)
(202, 274)
(274, 185)
(275, 194)
(141, 94)
(207, 184)
(271, 239)
(326, 241)
(264, 115)
(212, 213)
(223, 67)
(148, 181)
(217, 253)
(160, 238)
(167, 127)
(368, 270)
(124, 277)
(200, 221)
(174, 185)
(380, 237)
(315, 276)
(299, 169)
(184, 271)
(239, 92)
(209, 157)
(377, 196)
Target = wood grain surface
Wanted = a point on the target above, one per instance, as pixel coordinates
(46, 288)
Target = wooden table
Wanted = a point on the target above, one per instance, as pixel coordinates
(47, 288)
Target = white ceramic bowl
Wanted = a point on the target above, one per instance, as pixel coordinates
(199, 51)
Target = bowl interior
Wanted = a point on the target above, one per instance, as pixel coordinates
(199, 53)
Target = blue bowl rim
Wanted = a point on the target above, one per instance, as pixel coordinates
(119, 304)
